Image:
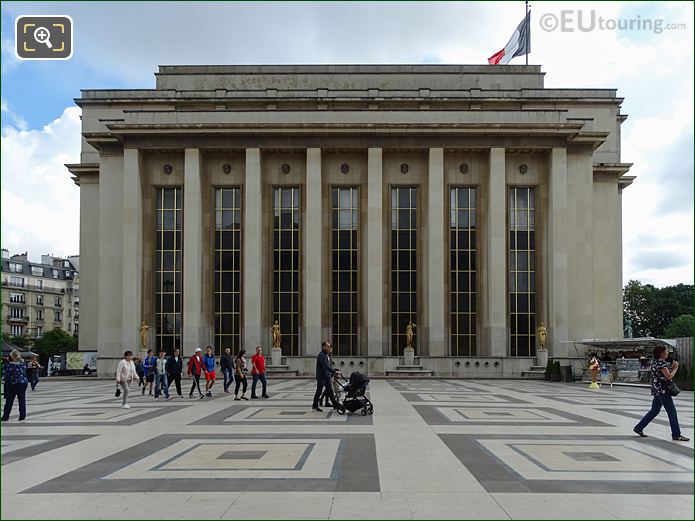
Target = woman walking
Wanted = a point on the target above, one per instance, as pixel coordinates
(239, 372)
(15, 386)
(660, 375)
(125, 374)
(195, 369)
(33, 369)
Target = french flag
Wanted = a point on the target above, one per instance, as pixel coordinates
(518, 45)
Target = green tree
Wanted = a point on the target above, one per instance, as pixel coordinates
(672, 302)
(19, 341)
(54, 342)
(680, 327)
(652, 309)
(638, 306)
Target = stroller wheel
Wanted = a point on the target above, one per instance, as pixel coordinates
(364, 411)
(370, 409)
(340, 408)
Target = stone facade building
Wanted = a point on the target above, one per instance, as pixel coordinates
(39, 296)
(345, 201)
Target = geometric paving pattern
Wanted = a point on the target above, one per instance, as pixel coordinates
(219, 462)
(448, 449)
(17, 447)
(288, 414)
(603, 465)
(685, 417)
(496, 415)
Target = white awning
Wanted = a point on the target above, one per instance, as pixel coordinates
(625, 344)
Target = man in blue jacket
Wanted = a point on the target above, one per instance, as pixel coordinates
(324, 374)
(148, 369)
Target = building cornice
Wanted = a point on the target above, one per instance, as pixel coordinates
(615, 172)
(82, 170)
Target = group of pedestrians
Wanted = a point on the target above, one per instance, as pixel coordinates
(158, 373)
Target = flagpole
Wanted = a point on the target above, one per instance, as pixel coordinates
(527, 35)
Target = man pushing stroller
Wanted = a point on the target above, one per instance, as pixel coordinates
(324, 376)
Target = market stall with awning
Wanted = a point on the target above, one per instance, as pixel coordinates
(624, 359)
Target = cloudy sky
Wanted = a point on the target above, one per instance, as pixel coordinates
(119, 45)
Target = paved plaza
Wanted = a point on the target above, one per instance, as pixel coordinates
(502, 449)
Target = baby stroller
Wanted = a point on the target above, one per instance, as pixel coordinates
(353, 395)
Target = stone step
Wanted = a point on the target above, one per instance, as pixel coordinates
(409, 367)
(538, 368)
(534, 374)
(408, 372)
(281, 370)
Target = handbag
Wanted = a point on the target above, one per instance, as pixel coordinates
(672, 388)
(118, 391)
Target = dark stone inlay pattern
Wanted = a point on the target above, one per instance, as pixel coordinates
(432, 416)
(152, 412)
(355, 471)
(219, 417)
(495, 476)
(590, 456)
(242, 454)
(53, 442)
(503, 399)
(662, 419)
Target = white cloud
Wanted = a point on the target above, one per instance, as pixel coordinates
(9, 59)
(40, 204)
(17, 120)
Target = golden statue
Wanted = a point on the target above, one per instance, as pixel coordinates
(277, 336)
(144, 328)
(409, 334)
(542, 333)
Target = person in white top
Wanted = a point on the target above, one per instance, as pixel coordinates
(125, 373)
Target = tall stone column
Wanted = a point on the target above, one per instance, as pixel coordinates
(89, 261)
(374, 287)
(435, 254)
(110, 318)
(193, 331)
(495, 301)
(557, 253)
(313, 254)
(132, 250)
(253, 251)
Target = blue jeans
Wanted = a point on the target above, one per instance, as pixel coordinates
(667, 401)
(228, 378)
(160, 385)
(257, 377)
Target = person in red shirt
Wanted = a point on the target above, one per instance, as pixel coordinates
(258, 372)
(195, 368)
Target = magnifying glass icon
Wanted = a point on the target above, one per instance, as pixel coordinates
(42, 35)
